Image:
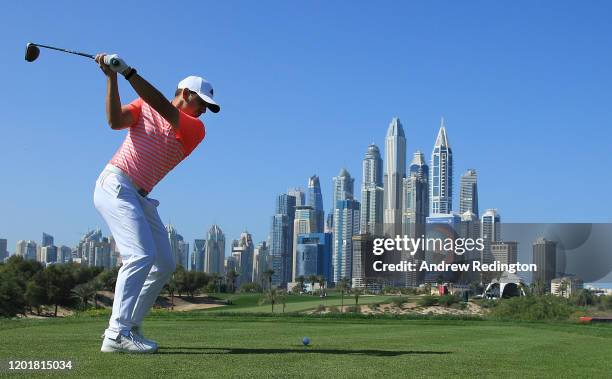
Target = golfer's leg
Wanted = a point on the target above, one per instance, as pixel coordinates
(163, 267)
(118, 203)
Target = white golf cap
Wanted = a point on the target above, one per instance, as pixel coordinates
(203, 88)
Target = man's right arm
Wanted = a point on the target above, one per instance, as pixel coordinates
(117, 116)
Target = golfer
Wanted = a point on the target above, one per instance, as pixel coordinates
(160, 135)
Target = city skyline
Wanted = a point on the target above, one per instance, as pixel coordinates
(519, 107)
(342, 189)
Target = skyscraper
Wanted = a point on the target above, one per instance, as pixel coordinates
(214, 257)
(243, 249)
(199, 252)
(48, 254)
(64, 254)
(82, 251)
(372, 193)
(305, 222)
(363, 244)
(101, 254)
(545, 258)
(468, 192)
(490, 231)
(177, 246)
(395, 172)
(416, 196)
(185, 253)
(314, 252)
(343, 187)
(346, 224)
(261, 262)
(441, 174)
(281, 244)
(505, 252)
(315, 200)
(47, 240)
(26, 250)
(299, 194)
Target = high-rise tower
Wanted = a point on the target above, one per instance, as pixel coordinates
(315, 200)
(372, 193)
(395, 172)
(468, 192)
(441, 174)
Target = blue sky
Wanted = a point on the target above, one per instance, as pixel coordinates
(305, 87)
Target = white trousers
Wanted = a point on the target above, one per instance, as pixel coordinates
(143, 243)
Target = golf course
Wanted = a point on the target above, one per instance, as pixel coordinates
(247, 340)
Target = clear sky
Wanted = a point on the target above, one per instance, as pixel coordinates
(525, 88)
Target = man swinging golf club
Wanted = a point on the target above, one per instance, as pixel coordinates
(161, 134)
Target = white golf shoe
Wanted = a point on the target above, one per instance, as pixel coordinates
(137, 330)
(131, 343)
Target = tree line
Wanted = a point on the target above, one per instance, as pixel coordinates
(27, 286)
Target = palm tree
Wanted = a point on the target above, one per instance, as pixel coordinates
(272, 296)
(313, 279)
(356, 293)
(96, 285)
(171, 288)
(268, 274)
(342, 286)
(321, 280)
(283, 299)
(84, 292)
(538, 288)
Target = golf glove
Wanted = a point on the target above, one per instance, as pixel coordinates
(116, 64)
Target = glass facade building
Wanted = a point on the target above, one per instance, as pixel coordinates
(372, 193)
(441, 175)
(468, 192)
(395, 172)
(314, 255)
(346, 224)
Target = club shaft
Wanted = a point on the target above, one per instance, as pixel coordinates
(66, 51)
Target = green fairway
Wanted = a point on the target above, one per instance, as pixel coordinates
(294, 303)
(201, 344)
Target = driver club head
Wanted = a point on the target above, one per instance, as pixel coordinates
(32, 52)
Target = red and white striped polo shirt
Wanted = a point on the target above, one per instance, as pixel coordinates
(152, 147)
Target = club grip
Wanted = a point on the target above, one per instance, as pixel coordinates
(112, 61)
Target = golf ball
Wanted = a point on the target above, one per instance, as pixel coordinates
(305, 340)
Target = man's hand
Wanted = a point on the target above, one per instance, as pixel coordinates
(106, 69)
(115, 63)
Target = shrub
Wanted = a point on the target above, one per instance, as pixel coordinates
(547, 307)
(354, 309)
(334, 309)
(399, 301)
(448, 300)
(582, 297)
(428, 301)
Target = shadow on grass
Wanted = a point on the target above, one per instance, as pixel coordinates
(236, 350)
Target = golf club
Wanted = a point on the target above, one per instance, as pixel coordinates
(33, 51)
